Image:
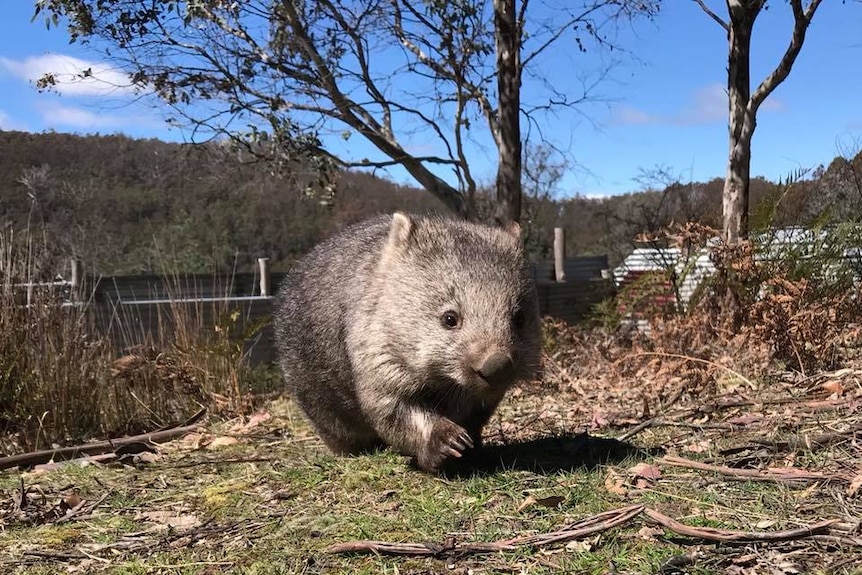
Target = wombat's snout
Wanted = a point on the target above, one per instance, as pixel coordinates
(496, 367)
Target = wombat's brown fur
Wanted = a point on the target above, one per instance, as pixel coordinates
(407, 331)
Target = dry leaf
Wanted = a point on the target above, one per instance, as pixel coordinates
(85, 566)
(645, 470)
(528, 502)
(146, 457)
(222, 441)
(254, 421)
(599, 419)
(697, 447)
(855, 484)
(747, 559)
(833, 386)
(615, 483)
(786, 568)
(171, 519)
(765, 523)
(745, 419)
(580, 546)
(808, 491)
(195, 441)
(550, 501)
(71, 501)
(650, 533)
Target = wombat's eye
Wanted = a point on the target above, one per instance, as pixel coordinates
(450, 319)
(518, 319)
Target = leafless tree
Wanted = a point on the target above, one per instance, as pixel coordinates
(743, 104)
(410, 77)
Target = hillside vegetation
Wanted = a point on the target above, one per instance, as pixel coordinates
(128, 206)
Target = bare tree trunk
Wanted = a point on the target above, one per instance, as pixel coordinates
(508, 40)
(743, 105)
(736, 192)
(740, 126)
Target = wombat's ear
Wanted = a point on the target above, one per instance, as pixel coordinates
(510, 227)
(513, 229)
(401, 229)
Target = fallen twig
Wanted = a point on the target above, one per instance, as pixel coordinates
(810, 441)
(191, 420)
(581, 529)
(416, 549)
(54, 555)
(657, 422)
(790, 475)
(727, 535)
(83, 508)
(86, 459)
(225, 461)
(839, 539)
(750, 383)
(578, 530)
(94, 448)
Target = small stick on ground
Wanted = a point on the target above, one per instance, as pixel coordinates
(789, 475)
(577, 530)
(83, 508)
(580, 529)
(727, 535)
(750, 383)
(810, 441)
(94, 448)
(415, 549)
(656, 422)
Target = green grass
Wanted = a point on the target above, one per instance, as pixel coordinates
(193, 511)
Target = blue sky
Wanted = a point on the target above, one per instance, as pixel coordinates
(667, 108)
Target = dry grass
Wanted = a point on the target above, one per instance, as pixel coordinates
(72, 372)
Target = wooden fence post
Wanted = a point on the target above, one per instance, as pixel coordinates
(559, 254)
(77, 282)
(263, 265)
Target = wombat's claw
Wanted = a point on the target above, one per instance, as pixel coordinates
(448, 440)
(459, 443)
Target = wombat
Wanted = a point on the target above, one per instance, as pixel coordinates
(407, 331)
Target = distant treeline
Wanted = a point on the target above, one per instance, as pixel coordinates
(129, 206)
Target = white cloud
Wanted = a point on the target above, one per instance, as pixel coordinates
(708, 105)
(55, 115)
(100, 80)
(633, 117)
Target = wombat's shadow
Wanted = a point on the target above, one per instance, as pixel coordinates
(567, 452)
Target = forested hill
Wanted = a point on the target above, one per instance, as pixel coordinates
(135, 206)
(130, 206)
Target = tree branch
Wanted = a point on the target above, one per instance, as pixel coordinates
(461, 83)
(558, 33)
(713, 15)
(802, 19)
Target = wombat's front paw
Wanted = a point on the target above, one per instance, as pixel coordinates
(447, 440)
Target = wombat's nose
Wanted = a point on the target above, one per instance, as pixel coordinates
(496, 367)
